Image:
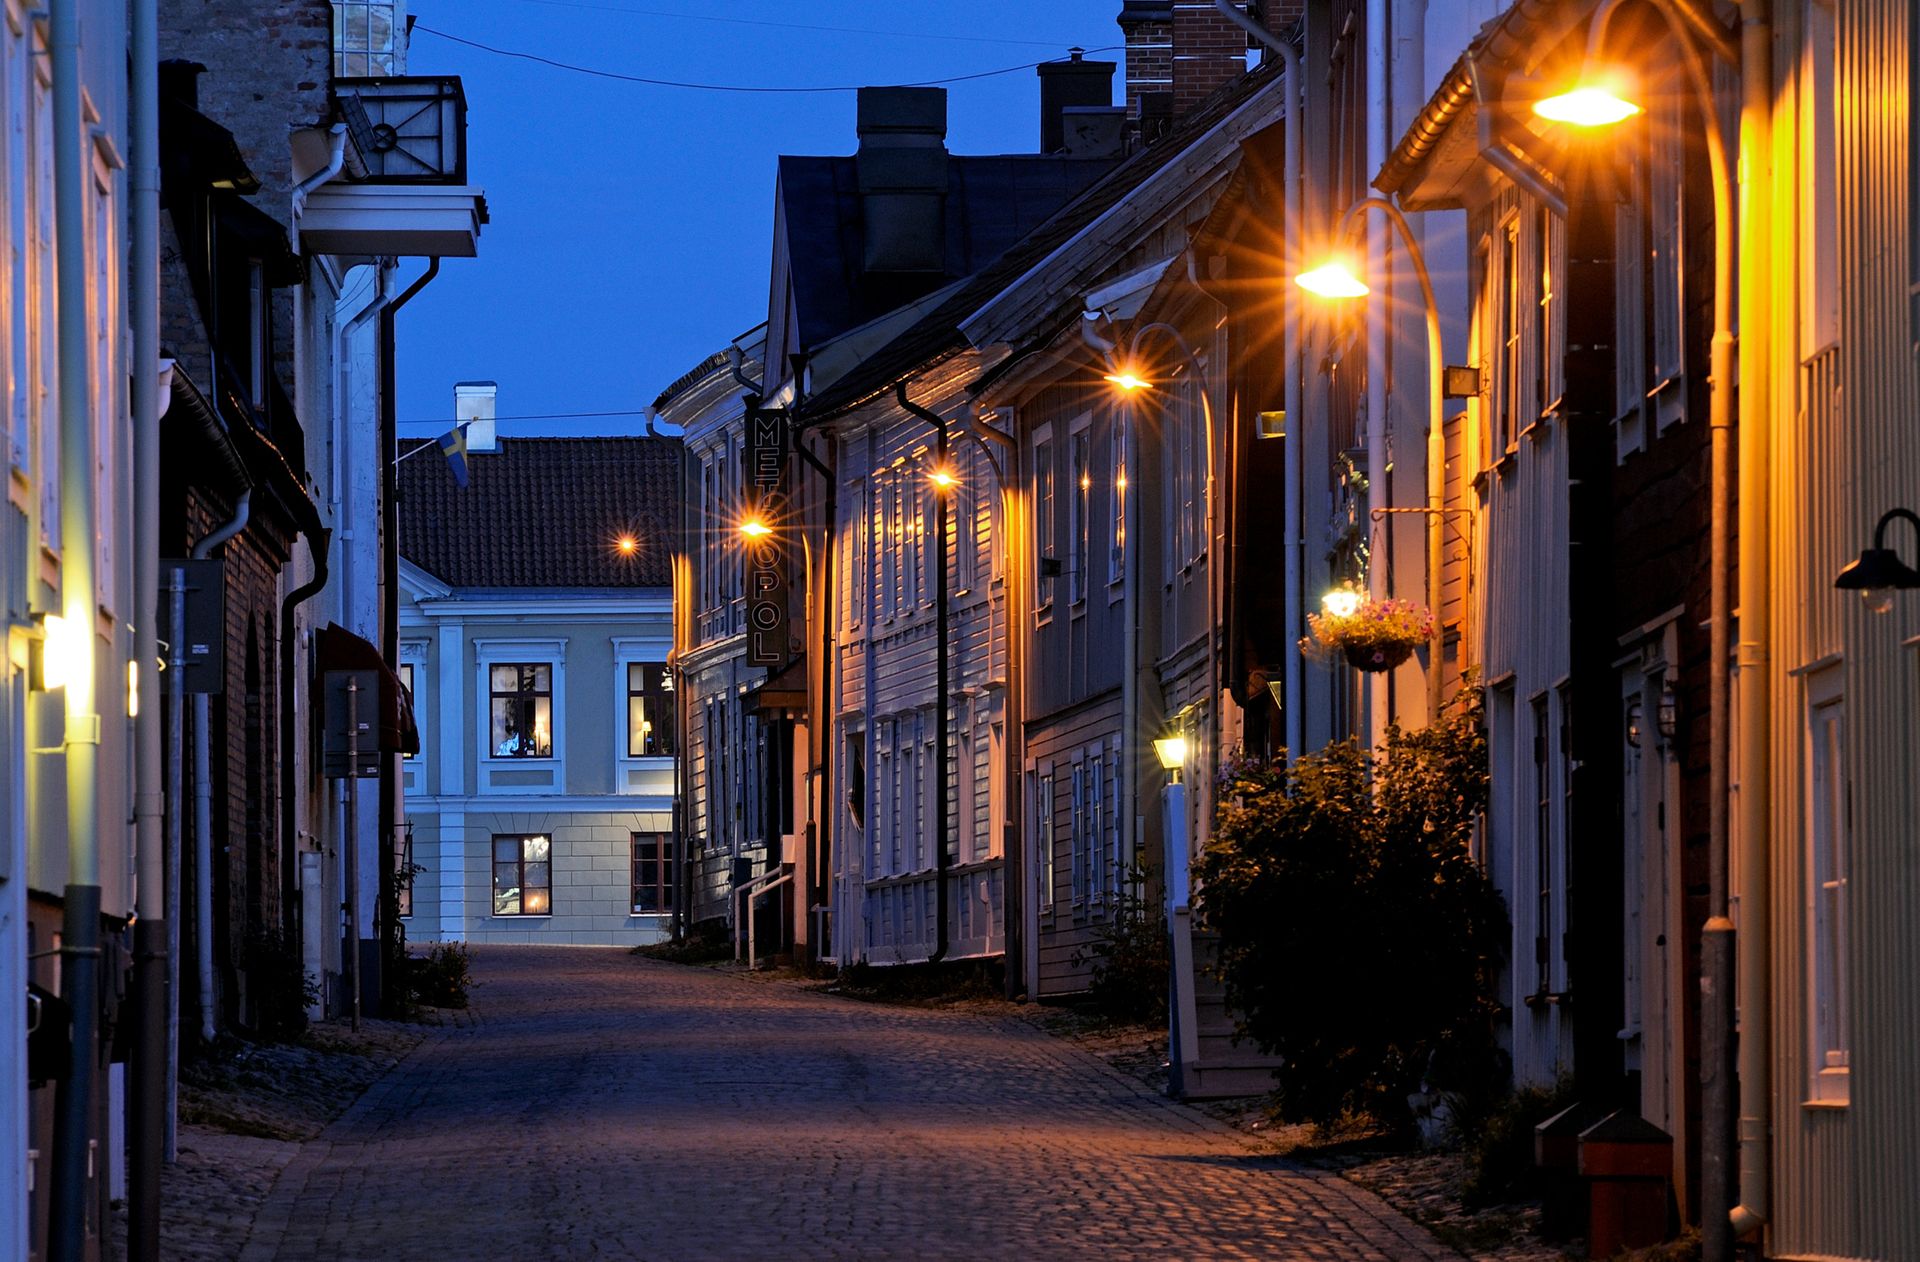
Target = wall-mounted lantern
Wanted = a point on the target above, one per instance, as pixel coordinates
(1879, 572)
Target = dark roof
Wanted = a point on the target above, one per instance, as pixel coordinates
(992, 202)
(544, 512)
(939, 332)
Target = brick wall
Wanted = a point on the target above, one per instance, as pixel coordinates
(1148, 32)
(1209, 50)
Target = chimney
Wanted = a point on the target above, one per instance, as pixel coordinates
(1094, 131)
(1070, 84)
(902, 165)
(473, 405)
(1208, 52)
(1147, 27)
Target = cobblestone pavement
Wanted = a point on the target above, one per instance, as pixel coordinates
(606, 1106)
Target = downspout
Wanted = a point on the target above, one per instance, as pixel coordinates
(289, 731)
(1294, 486)
(74, 1102)
(203, 799)
(336, 159)
(389, 818)
(1379, 688)
(147, 1118)
(1754, 939)
(942, 682)
(342, 493)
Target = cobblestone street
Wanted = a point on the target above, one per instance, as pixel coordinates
(604, 1106)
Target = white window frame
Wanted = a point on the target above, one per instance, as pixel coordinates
(1827, 873)
(381, 63)
(16, 296)
(43, 320)
(1079, 509)
(413, 767)
(1118, 445)
(1666, 253)
(1042, 798)
(1819, 252)
(1078, 831)
(110, 417)
(635, 651)
(1097, 875)
(490, 652)
(1044, 491)
(1629, 315)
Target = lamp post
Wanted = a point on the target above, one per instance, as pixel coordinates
(1335, 281)
(1879, 572)
(1595, 102)
(1183, 1024)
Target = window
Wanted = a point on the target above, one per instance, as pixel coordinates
(13, 267)
(1117, 501)
(650, 713)
(406, 682)
(1629, 317)
(1828, 870)
(1097, 875)
(364, 38)
(1079, 834)
(1043, 842)
(1046, 563)
(1666, 242)
(1079, 514)
(522, 710)
(1542, 852)
(652, 873)
(1546, 337)
(522, 876)
(1507, 401)
(45, 399)
(404, 872)
(912, 539)
(1819, 190)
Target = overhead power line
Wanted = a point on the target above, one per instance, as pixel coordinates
(728, 87)
(787, 26)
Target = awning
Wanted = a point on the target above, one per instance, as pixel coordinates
(784, 693)
(336, 648)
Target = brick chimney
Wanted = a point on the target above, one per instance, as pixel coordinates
(473, 404)
(1208, 51)
(902, 164)
(1072, 84)
(1147, 26)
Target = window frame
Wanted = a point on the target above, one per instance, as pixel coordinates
(1043, 839)
(380, 62)
(1079, 510)
(520, 862)
(1665, 187)
(665, 877)
(550, 652)
(1118, 450)
(527, 692)
(1827, 904)
(1044, 487)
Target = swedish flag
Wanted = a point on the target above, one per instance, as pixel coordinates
(453, 445)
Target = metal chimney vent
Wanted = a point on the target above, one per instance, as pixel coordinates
(407, 130)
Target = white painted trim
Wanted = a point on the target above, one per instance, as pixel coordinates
(655, 600)
(451, 695)
(555, 803)
(492, 651)
(635, 650)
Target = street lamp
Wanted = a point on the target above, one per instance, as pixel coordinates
(1879, 572)
(1335, 280)
(1589, 104)
(1172, 753)
(754, 528)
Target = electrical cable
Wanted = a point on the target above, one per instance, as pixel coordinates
(728, 87)
(786, 26)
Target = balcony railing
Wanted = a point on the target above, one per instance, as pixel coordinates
(410, 130)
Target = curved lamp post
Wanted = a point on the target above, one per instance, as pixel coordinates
(1334, 280)
(1596, 102)
(1879, 572)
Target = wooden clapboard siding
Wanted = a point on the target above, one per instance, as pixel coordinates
(1067, 927)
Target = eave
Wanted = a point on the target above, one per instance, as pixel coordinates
(419, 221)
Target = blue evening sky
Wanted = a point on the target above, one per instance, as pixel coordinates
(632, 224)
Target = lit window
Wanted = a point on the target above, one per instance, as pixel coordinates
(1046, 565)
(650, 712)
(1828, 874)
(406, 682)
(652, 873)
(522, 712)
(364, 38)
(1080, 514)
(522, 876)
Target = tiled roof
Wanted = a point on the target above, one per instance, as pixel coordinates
(544, 512)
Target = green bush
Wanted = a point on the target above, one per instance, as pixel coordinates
(1498, 1144)
(279, 988)
(1358, 937)
(442, 977)
(1130, 961)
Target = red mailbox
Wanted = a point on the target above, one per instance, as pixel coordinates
(1627, 1162)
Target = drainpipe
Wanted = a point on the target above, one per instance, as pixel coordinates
(74, 1105)
(389, 811)
(289, 733)
(336, 158)
(1294, 486)
(147, 1116)
(345, 516)
(203, 799)
(943, 681)
(1379, 688)
(1754, 940)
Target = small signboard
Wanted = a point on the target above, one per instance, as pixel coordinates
(355, 708)
(202, 633)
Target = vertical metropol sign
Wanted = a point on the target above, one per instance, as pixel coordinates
(766, 479)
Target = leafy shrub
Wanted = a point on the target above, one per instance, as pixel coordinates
(1130, 959)
(279, 988)
(442, 977)
(1498, 1144)
(1358, 937)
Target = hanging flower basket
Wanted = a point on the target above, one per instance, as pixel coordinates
(1377, 658)
(1373, 635)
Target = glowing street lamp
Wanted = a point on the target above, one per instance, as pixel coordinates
(626, 545)
(943, 478)
(1589, 105)
(1128, 380)
(1332, 280)
(1341, 602)
(1172, 752)
(754, 528)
